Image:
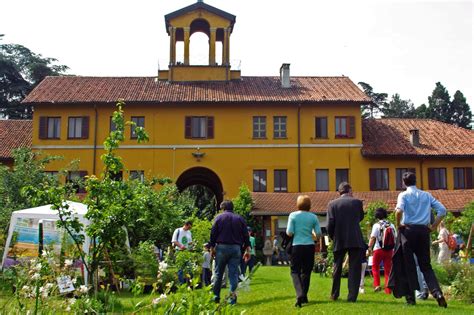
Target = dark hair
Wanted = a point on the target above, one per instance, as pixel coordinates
(188, 223)
(409, 179)
(381, 213)
(344, 188)
(227, 205)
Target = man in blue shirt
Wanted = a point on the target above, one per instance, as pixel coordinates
(413, 221)
(229, 235)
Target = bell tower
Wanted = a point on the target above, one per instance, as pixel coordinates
(217, 25)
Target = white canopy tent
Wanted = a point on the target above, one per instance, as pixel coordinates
(31, 217)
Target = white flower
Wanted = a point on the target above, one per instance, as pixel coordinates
(68, 262)
(25, 288)
(74, 280)
(38, 266)
(163, 266)
(68, 309)
(159, 299)
(83, 289)
(72, 301)
(45, 253)
(36, 276)
(49, 285)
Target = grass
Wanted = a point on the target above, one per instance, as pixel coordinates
(271, 292)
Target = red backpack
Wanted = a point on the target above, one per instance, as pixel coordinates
(452, 243)
(387, 236)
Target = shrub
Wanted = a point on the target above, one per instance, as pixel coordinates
(463, 285)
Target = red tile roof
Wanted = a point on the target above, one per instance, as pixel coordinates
(14, 134)
(391, 137)
(285, 203)
(71, 89)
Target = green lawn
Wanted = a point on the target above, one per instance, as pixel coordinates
(272, 293)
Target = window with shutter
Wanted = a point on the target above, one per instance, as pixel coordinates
(78, 127)
(437, 178)
(344, 127)
(260, 180)
(462, 177)
(50, 128)
(379, 179)
(199, 127)
(321, 124)
(322, 180)
(280, 180)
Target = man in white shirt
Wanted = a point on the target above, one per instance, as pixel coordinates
(182, 240)
(182, 237)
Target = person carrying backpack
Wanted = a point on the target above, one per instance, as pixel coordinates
(381, 244)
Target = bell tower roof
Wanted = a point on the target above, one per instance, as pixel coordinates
(199, 6)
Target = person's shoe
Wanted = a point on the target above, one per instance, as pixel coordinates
(241, 278)
(361, 290)
(232, 299)
(216, 300)
(377, 289)
(304, 300)
(333, 297)
(410, 300)
(441, 300)
(298, 303)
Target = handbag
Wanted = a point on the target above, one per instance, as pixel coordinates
(287, 243)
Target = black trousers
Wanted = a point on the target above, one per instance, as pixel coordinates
(302, 262)
(355, 268)
(418, 240)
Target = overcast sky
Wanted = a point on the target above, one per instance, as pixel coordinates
(396, 46)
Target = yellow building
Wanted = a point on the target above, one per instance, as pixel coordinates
(209, 125)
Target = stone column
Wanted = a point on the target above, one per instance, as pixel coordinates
(186, 45)
(212, 46)
(172, 31)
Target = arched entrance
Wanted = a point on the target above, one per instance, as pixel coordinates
(201, 176)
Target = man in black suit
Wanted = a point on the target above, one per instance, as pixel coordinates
(344, 215)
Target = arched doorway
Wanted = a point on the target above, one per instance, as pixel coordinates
(202, 181)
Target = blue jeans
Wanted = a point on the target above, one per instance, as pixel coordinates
(226, 255)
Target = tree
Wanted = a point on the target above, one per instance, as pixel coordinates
(422, 111)
(21, 70)
(28, 170)
(398, 108)
(462, 115)
(439, 107)
(379, 100)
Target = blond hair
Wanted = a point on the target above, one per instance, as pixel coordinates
(303, 202)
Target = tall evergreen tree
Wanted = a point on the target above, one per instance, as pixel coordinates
(20, 71)
(398, 108)
(439, 107)
(379, 100)
(462, 115)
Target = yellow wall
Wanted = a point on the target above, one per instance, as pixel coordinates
(213, 19)
(233, 127)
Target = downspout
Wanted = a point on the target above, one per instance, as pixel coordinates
(299, 147)
(95, 140)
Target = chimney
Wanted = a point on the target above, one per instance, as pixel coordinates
(415, 137)
(285, 75)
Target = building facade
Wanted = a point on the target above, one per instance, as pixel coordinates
(209, 125)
